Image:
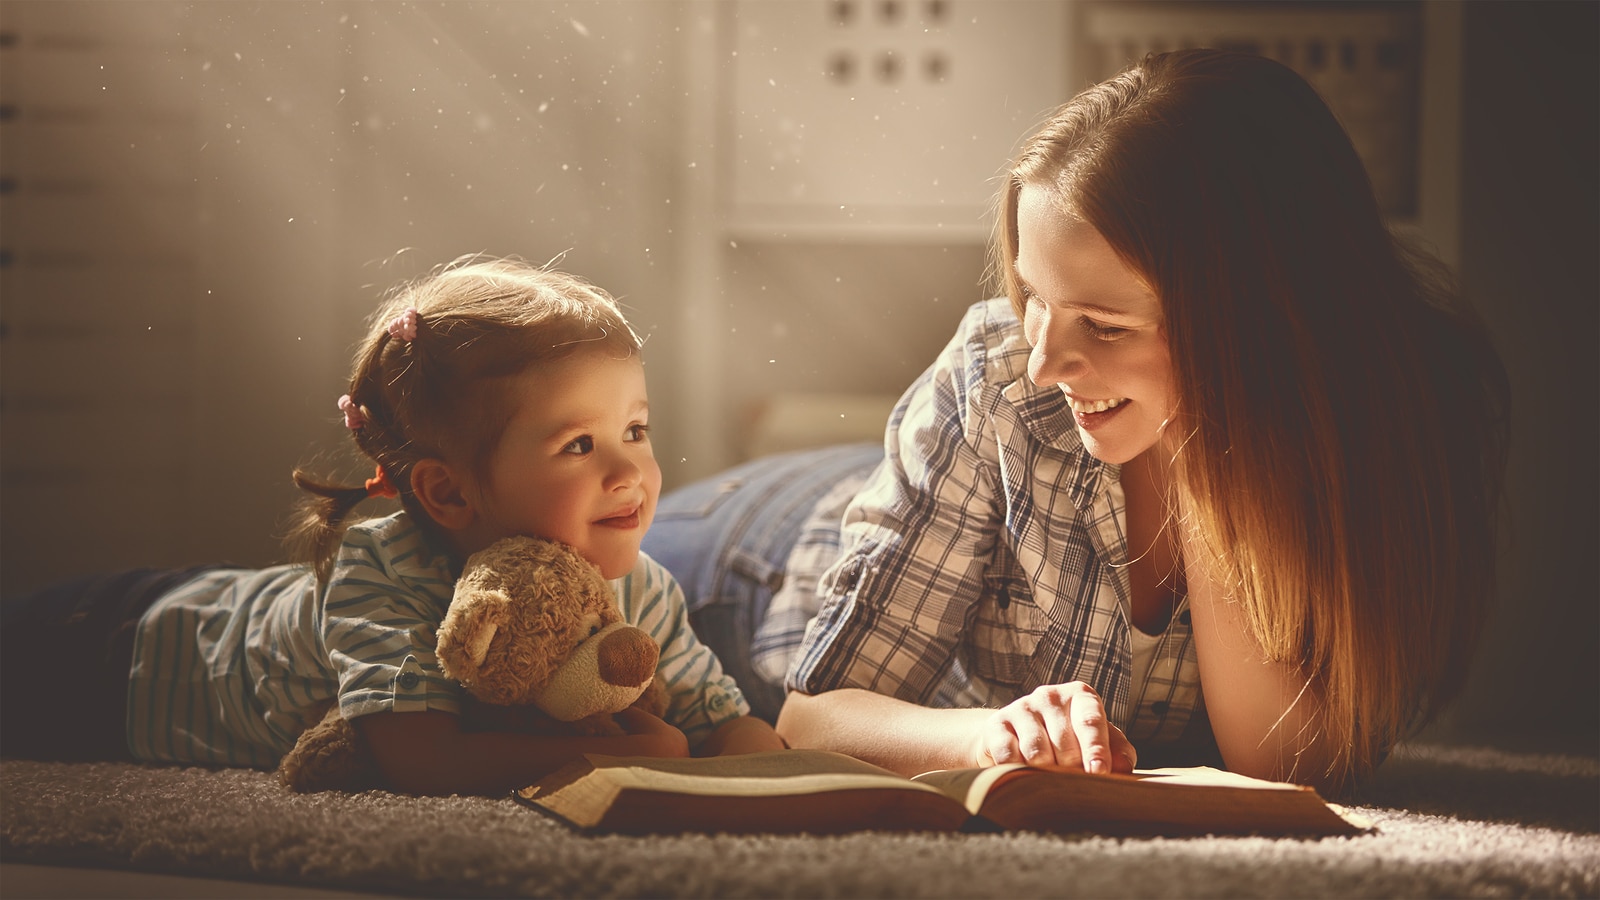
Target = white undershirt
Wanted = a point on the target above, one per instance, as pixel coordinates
(1144, 650)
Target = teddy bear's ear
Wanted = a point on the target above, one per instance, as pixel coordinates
(479, 648)
(468, 628)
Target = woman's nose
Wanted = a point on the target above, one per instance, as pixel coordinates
(1054, 358)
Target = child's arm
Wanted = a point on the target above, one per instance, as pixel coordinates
(428, 753)
(744, 734)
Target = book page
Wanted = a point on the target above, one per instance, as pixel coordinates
(967, 786)
(1205, 775)
(773, 773)
(1160, 802)
(786, 791)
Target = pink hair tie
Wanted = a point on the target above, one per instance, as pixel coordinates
(353, 419)
(378, 485)
(404, 326)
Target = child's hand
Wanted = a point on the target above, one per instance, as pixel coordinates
(746, 734)
(656, 737)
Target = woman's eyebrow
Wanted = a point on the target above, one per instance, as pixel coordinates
(1091, 308)
(1094, 308)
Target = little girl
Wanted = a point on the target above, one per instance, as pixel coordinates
(495, 398)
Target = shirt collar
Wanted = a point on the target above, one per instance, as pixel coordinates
(1048, 418)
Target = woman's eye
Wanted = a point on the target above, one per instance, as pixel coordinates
(638, 433)
(580, 446)
(1104, 332)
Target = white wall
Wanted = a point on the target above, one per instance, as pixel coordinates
(248, 178)
(208, 198)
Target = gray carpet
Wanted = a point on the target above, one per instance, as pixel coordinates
(1452, 822)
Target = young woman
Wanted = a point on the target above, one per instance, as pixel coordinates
(1217, 477)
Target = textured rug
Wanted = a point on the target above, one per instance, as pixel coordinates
(1452, 822)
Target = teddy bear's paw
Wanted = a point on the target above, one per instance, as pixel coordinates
(329, 756)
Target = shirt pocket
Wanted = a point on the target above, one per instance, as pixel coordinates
(1005, 629)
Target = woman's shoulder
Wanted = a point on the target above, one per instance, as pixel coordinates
(989, 356)
(989, 344)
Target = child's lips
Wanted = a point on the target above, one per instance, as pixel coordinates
(624, 519)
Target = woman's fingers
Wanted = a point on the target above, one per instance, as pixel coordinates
(1091, 730)
(1000, 743)
(1059, 726)
(1034, 740)
(1123, 757)
(1055, 714)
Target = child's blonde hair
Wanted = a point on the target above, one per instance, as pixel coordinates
(429, 381)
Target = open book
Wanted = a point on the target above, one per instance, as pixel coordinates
(788, 791)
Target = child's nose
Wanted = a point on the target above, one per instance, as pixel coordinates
(624, 472)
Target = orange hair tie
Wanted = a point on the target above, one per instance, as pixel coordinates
(378, 485)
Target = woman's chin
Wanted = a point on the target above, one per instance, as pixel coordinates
(1115, 452)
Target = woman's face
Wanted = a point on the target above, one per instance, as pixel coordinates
(1096, 330)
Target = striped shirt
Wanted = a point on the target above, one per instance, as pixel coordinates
(987, 556)
(229, 668)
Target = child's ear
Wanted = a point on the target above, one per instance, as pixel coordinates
(442, 494)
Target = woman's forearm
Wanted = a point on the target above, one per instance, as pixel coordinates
(1266, 717)
(894, 734)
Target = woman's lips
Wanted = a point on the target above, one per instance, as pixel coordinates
(1092, 421)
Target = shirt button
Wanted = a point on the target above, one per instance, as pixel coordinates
(1159, 707)
(408, 680)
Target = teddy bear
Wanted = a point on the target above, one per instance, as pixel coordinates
(534, 636)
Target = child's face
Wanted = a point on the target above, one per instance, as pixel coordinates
(1097, 331)
(575, 463)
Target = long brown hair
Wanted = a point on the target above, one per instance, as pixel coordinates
(440, 394)
(1339, 440)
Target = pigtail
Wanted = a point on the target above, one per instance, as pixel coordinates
(320, 521)
(322, 516)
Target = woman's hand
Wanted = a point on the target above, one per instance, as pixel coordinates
(1057, 726)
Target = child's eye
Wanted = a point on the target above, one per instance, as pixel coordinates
(580, 446)
(638, 432)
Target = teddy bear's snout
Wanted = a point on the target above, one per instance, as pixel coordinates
(627, 657)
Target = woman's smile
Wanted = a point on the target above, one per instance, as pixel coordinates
(1095, 328)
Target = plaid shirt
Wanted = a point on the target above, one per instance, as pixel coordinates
(986, 556)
